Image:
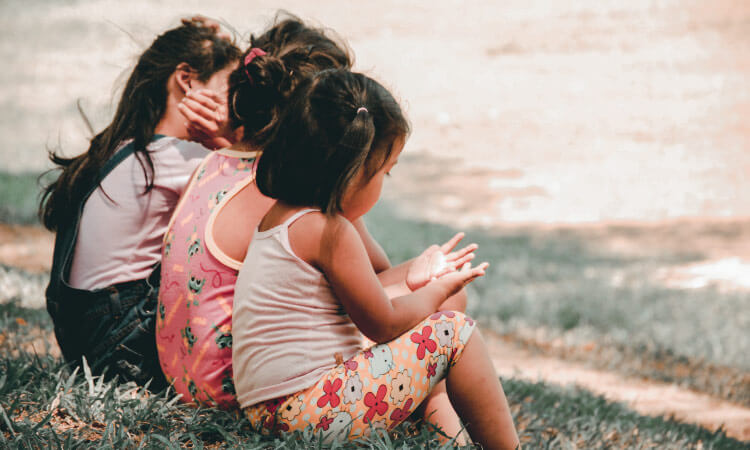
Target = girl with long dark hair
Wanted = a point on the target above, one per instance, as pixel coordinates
(111, 205)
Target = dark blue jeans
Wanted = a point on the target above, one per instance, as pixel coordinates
(113, 328)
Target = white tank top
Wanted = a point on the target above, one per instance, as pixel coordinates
(287, 325)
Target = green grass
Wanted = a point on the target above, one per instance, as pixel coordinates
(20, 194)
(44, 404)
(569, 285)
(544, 285)
(564, 281)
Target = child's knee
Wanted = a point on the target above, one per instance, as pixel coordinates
(452, 328)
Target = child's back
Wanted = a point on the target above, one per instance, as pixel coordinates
(289, 322)
(123, 224)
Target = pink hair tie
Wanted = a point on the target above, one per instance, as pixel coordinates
(254, 52)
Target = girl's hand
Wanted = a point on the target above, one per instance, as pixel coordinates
(456, 280)
(437, 261)
(207, 117)
(211, 24)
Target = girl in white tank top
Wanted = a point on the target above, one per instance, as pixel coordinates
(307, 289)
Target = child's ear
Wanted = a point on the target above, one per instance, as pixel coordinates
(239, 133)
(184, 75)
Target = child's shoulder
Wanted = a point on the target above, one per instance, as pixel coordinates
(312, 236)
(317, 223)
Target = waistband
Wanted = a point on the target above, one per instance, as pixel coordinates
(113, 300)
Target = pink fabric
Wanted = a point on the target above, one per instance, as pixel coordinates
(193, 328)
(120, 237)
(288, 327)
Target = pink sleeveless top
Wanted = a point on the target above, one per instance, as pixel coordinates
(194, 320)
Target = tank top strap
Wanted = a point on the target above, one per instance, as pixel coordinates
(283, 231)
(288, 222)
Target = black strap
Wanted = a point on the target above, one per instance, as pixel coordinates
(113, 162)
(66, 236)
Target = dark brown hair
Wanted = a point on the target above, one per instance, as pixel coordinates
(258, 91)
(335, 124)
(141, 107)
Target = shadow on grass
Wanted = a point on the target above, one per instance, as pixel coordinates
(573, 286)
(43, 403)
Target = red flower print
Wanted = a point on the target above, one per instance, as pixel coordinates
(330, 390)
(324, 423)
(376, 403)
(351, 365)
(431, 368)
(368, 354)
(470, 320)
(272, 405)
(424, 341)
(400, 414)
(438, 314)
(270, 424)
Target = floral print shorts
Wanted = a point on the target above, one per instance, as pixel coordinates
(377, 388)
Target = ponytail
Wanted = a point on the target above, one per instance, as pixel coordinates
(258, 91)
(336, 125)
(356, 140)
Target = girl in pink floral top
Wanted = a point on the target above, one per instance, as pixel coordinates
(221, 206)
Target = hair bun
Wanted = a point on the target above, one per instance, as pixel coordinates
(260, 86)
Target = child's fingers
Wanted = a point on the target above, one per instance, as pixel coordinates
(480, 270)
(209, 97)
(197, 120)
(452, 242)
(205, 107)
(463, 260)
(203, 22)
(474, 273)
(458, 254)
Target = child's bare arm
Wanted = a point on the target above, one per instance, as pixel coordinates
(378, 257)
(343, 258)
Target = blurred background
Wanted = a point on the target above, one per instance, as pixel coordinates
(598, 151)
(523, 111)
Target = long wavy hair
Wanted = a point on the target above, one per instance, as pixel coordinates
(141, 107)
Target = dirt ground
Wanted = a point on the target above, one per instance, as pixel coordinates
(647, 397)
(29, 248)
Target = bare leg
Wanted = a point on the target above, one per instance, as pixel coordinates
(437, 410)
(475, 391)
